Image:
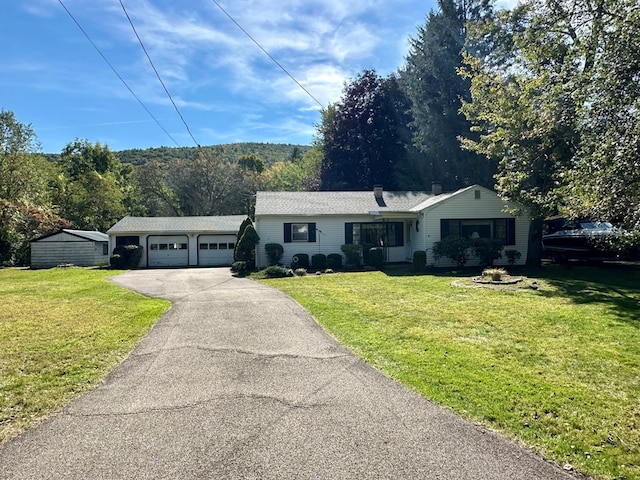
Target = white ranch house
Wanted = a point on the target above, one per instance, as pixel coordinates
(400, 222)
(179, 241)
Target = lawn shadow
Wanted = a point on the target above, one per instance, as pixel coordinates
(615, 285)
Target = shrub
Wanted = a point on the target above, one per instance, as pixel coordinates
(116, 261)
(274, 253)
(239, 267)
(352, 252)
(455, 248)
(245, 223)
(319, 261)
(300, 260)
(376, 258)
(277, 271)
(329, 270)
(126, 256)
(300, 272)
(487, 250)
(419, 261)
(512, 256)
(245, 250)
(334, 261)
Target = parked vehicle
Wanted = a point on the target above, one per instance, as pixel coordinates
(583, 239)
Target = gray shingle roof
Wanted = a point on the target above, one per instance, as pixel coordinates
(221, 224)
(340, 203)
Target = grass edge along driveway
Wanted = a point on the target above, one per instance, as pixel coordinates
(61, 331)
(557, 368)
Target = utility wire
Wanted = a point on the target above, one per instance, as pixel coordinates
(157, 74)
(116, 72)
(267, 54)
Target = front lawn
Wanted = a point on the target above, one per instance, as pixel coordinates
(61, 331)
(557, 368)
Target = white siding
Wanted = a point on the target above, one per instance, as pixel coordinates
(51, 252)
(190, 237)
(330, 236)
(467, 206)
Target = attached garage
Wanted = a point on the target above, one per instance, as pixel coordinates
(179, 241)
(214, 250)
(70, 247)
(168, 250)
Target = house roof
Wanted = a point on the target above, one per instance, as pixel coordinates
(90, 235)
(344, 203)
(221, 224)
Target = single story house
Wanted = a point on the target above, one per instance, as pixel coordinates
(400, 222)
(75, 247)
(179, 241)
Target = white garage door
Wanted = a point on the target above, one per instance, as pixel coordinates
(168, 251)
(216, 250)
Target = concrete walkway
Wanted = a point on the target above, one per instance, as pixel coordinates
(238, 381)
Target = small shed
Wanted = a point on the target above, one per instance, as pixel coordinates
(76, 247)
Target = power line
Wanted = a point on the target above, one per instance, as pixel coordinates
(116, 72)
(157, 74)
(268, 54)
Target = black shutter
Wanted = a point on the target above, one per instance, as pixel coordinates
(348, 233)
(312, 232)
(399, 234)
(511, 231)
(287, 233)
(444, 229)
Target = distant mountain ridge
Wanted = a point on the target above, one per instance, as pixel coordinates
(268, 152)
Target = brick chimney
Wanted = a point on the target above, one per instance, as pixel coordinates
(436, 188)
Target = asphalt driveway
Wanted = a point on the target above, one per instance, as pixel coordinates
(238, 381)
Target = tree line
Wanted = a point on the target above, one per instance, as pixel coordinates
(88, 187)
(540, 103)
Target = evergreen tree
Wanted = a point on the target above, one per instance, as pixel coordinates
(431, 81)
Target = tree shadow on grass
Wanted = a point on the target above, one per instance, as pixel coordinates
(614, 285)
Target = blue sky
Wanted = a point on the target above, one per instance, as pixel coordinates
(225, 87)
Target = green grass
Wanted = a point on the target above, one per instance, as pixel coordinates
(557, 368)
(61, 331)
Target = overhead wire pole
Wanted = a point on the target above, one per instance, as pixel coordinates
(157, 74)
(116, 72)
(267, 53)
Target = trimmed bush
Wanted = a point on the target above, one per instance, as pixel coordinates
(487, 250)
(274, 253)
(376, 258)
(512, 256)
(116, 261)
(319, 261)
(300, 260)
(126, 256)
(455, 248)
(300, 272)
(419, 261)
(276, 271)
(245, 250)
(334, 261)
(352, 252)
(240, 267)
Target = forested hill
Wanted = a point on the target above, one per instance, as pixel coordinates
(268, 152)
